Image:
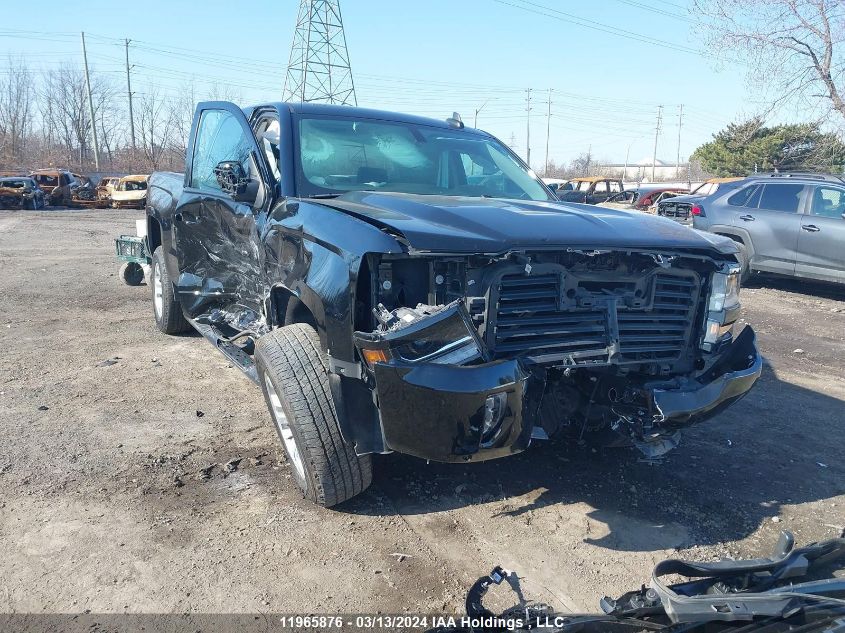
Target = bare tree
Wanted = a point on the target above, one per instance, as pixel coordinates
(155, 126)
(16, 112)
(793, 46)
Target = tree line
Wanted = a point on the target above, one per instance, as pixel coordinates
(45, 121)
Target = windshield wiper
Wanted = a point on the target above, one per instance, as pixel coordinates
(324, 195)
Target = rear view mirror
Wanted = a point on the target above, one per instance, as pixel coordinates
(234, 181)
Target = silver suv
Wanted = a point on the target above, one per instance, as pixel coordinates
(790, 224)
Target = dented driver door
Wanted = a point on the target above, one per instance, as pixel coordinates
(216, 231)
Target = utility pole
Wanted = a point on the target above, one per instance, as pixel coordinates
(528, 128)
(548, 131)
(129, 90)
(91, 106)
(680, 122)
(477, 110)
(656, 134)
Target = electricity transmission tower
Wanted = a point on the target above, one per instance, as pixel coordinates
(319, 68)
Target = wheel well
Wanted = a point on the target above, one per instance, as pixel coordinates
(153, 234)
(287, 308)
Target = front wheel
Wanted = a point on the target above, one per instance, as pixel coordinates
(166, 307)
(293, 374)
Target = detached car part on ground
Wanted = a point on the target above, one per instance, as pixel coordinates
(730, 595)
(437, 300)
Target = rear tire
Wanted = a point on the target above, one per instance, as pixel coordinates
(293, 374)
(166, 307)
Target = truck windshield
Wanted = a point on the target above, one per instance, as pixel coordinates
(337, 155)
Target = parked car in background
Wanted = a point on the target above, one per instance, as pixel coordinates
(789, 224)
(84, 189)
(130, 192)
(20, 192)
(591, 189)
(680, 208)
(658, 198)
(105, 187)
(557, 184)
(650, 197)
(57, 185)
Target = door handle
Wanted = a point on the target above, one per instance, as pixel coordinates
(177, 217)
(747, 218)
(812, 228)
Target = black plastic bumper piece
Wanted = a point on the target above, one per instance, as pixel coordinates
(726, 382)
(437, 411)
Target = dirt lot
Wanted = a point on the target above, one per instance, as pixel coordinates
(140, 472)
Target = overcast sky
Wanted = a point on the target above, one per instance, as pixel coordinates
(609, 63)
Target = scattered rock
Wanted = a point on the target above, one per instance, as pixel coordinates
(232, 465)
(200, 413)
(798, 351)
(43, 407)
(177, 481)
(775, 519)
(205, 473)
(108, 362)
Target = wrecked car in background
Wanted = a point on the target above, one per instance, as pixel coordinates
(83, 190)
(105, 188)
(130, 192)
(57, 185)
(591, 189)
(20, 193)
(395, 283)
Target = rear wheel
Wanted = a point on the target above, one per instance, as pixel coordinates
(166, 307)
(293, 374)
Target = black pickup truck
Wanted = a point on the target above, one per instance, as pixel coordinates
(395, 283)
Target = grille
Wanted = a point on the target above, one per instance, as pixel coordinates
(530, 321)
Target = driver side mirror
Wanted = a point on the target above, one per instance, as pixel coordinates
(235, 182)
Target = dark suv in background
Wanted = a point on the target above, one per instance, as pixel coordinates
(790, 224)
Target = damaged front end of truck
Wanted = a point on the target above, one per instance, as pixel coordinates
(470, 357)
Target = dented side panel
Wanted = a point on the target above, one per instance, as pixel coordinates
(320, 271)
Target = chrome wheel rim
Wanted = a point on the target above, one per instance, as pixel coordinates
(158, 295)
(285, 432)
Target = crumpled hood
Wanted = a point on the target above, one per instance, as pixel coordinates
(451, 224)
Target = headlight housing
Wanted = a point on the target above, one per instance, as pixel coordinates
(722, 306)
(425, 334)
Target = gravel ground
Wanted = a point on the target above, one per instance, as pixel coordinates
(140, 472)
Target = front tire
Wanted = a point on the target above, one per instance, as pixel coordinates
(166, 307)
(293, 374)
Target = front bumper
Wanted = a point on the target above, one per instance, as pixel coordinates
(435, 411)
(727, 381)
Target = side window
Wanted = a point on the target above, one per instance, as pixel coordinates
(828, 202)
(601, 187)
(781, 197)
(220, 137)
(742, 197)
(615, 186)
(268, 133)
